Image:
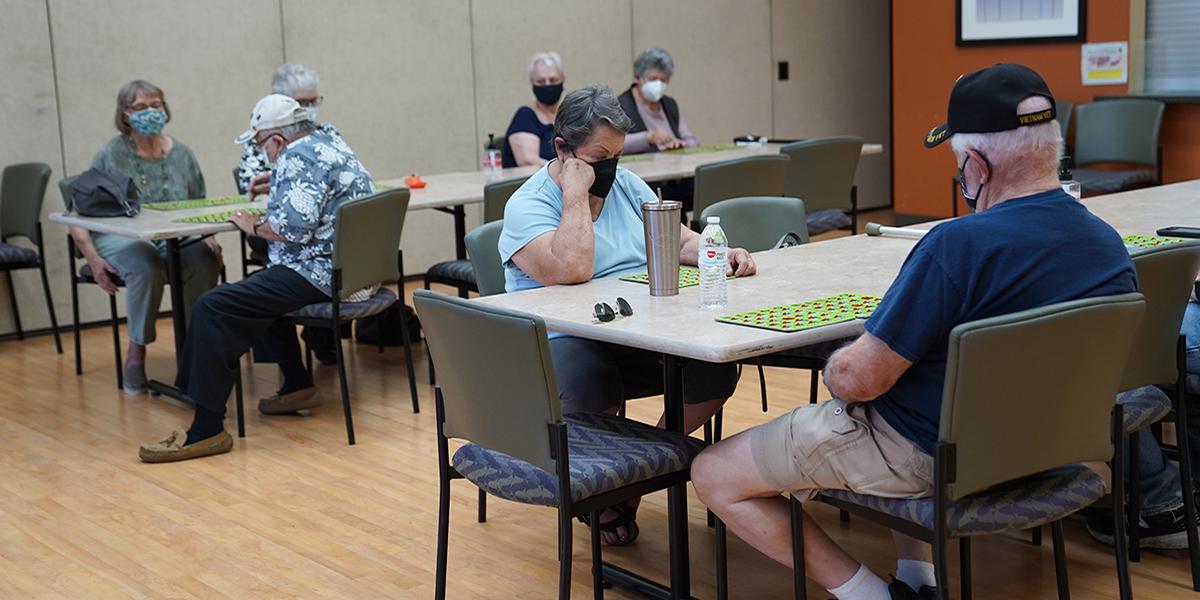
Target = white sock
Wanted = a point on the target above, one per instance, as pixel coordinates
(916, 573)
(864, 585)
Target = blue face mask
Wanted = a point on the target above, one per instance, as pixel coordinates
(970, 199)
(148, 122)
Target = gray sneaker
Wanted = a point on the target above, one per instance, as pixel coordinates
(135, 379)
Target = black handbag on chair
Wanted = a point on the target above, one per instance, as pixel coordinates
(99, 194)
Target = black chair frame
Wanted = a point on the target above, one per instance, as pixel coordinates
(12, 292)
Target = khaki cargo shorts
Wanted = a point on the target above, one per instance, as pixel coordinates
(839, 446)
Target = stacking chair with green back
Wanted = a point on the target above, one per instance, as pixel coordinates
(751, 176)
(763, 223)
(520, 446)
(22, 190)
(366, 239)
(83, 275)
(459, 273)
(821, 173)
(1028, 397)
(484, 252)
(1165, 276)
(1118, 131)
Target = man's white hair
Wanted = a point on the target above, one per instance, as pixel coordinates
(550, 59)
(1025, 152)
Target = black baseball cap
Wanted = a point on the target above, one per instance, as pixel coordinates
(986, 101)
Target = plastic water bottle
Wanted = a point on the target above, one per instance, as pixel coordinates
(713, 262)
(492, 161)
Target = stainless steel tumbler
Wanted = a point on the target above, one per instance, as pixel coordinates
(661, 224)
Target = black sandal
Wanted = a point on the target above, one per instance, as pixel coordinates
(626, 517)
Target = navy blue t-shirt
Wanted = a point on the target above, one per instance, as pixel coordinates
(1020, 254)
(526, 121)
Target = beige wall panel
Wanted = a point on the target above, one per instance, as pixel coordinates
(396, 76)
(602, 55)
(29, 128)
(722, 52)
(839, 58)
(213, 59)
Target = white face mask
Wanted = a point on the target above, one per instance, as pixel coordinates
(312, 113)
(653, 90)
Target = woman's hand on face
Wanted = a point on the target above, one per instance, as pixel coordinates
(577, 177)
(741, 264)
(261, 184)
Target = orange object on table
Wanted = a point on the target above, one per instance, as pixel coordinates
(414, 181)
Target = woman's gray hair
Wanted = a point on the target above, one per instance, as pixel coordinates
(128, 94)
(583, 109)
(550, 59)
(292, 77)
(654, 58)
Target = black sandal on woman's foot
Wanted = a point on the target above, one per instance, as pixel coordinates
(626, 517)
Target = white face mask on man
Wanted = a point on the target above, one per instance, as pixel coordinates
(654, 89)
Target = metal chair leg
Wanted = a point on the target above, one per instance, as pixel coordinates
(50, 305)
(722, 543)
(239, 401)
(482, 517)
(443, 533)
(1120, 540)
(597, 560)
(564, 554)
(408, 360)
(1036, 537)
(341, 365)
(75, 329)
(813, 384)
(1134, 516)
(762, 384)
(1185, 463)
(16, 312)
(116, 335)
(964, 567)
(799, 580)
(1060, 560)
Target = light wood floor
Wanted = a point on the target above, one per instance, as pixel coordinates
(295, 512)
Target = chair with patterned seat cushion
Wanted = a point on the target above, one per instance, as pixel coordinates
(1165, 277)
(366, 242)
(1124, 130)
(520, 447)
(460, 273)
(1027, 398)
(22, 190)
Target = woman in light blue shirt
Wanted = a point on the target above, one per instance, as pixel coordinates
(579, 218)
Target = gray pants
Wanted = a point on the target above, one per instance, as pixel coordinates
(143, 266)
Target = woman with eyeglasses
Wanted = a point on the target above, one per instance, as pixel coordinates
(163, 169)
(299, 83)
(530, 136)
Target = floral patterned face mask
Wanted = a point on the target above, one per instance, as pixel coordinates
(148, 122)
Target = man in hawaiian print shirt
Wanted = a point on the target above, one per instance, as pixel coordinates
(312, 174)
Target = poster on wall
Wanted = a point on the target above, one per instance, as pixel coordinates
(985, 22)
(1105, 64)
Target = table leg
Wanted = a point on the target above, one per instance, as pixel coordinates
(178, 317)
(460, 232)
(681, 584)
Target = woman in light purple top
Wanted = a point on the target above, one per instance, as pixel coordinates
(657, 122)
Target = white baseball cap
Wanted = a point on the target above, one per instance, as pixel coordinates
(272, 112)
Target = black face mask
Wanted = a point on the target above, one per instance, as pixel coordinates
(605, 172)
(962, 182)
(548, 94)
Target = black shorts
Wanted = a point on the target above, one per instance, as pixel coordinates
(595, 377)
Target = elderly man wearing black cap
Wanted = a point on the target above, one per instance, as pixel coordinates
(1028, 245)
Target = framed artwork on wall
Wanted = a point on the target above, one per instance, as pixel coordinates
(988, 22)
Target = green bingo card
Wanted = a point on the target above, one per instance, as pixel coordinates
(220, 217)
(688, 277)
(198, 203)
(808, 315)
(1149, 241)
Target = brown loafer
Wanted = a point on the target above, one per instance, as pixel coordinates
(282, 404)
(174, 448)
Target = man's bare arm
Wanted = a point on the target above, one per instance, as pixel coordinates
(864, 370)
